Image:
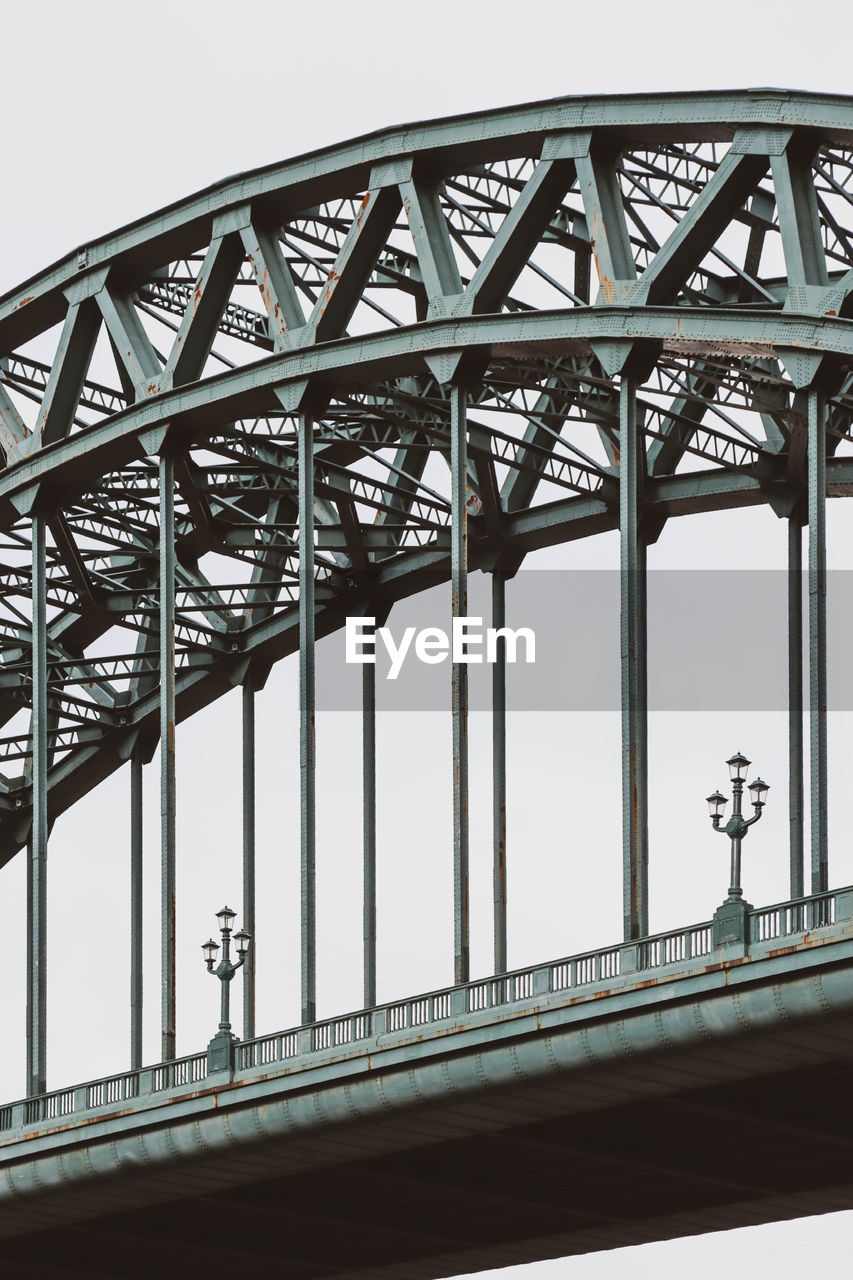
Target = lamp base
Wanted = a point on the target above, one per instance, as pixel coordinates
(730, 926)
(220, 1053)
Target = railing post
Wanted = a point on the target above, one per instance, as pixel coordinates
(220, 1057)
(844, 905)
(730, 929)
(542, 980)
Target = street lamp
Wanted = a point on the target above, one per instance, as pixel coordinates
(220, 1049)
(737, 825)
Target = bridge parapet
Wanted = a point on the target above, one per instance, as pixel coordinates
(611, 1085)
(589, 974)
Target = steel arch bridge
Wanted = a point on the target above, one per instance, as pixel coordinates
(308, 391)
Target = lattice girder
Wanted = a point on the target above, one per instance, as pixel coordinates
(528, 255)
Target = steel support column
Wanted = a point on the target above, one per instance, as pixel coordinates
(499, 774)
(459, 678)
(306, 719)
(37, 861)
(817, 641)
(249, 924)
(795, 705)
(136, 910)
(368, 756)
(167, 754)
(635, 839)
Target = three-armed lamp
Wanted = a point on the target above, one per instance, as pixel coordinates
(220, 1050)
(737, 825)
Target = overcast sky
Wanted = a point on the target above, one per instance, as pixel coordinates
(109, 111)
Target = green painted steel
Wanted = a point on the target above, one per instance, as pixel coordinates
(168, 810)
(795, 706)
(608, 1068)
(788, 934)
(37, 860)
(368, 758)
(249, 867)
(499, 775)
(817, 641)
(136, 903)
(459, 683)
(633, 629)
(594, 314)
(308, 802)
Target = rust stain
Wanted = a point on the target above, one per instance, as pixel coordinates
(23, 301)
(593, 242)
(360, 215)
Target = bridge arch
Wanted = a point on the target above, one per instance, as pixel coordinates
(307, 391)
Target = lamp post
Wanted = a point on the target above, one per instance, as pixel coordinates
(730, 918)
(220, 1051)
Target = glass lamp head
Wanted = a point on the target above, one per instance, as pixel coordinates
(226, 917)
(738, 766)
(758, 790)
(716, 804)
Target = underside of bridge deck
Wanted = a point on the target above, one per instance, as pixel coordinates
(582, 1160)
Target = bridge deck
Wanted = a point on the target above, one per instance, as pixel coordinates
(571, 1107)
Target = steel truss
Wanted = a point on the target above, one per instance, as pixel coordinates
(308, 391)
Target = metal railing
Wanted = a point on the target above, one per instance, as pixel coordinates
(109, 1091)
(799, 915)
(674, 948)
(678, 947)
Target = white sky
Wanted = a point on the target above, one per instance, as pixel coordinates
(109, 111)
